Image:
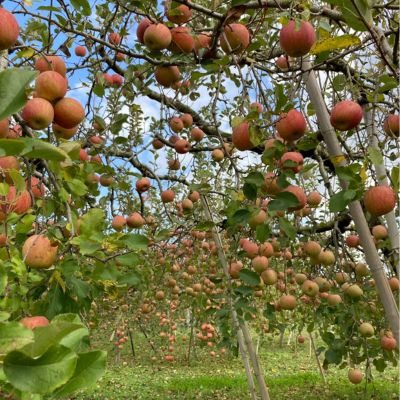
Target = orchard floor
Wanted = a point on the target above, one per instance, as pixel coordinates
(290, 372)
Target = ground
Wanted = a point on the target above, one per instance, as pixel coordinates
(290, 372)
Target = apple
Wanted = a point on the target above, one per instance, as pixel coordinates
(269, 276)
(314, 199)
(291, 126)
(300, 195)
(379, 232)
(39, 252)
(167, 196)
(388, 342)
(235, 38)
(187, 204)
(194, 196)
(241, 136)
(259, 263)
(38, 113)
(117, 80)
(346, 115)
(282, 63)
(68, 112)
(353, 291)
(270, 184)
(174, 164)
(181, 40)
(258, 219)
(37, 187)
(64, 133)
(51, 63)
(266, 249)
(327, 258)
(13, 202)
(366, 329)
(118, 222)
(34, 322)
(355, 375)
(9, 29)
(135, 220)
(379, 200)
(217, 155)
(394, 284)
(157, 37)
(296, 39)
(310, 288)
(7, 164)
(287, 302)
(141, 29)
(167, 75)
(300, 339)
(114, 38)
(202, 44)
(300, 278)
(143, 185)
(391, 125)
(257, 107)
(4, 127)
(352, 240)
(80, 51)
(187, 120)
(289, 158)
(182, 146)
(197, 134)
(176, 124)
(178, 14)
(106, 180)
(50, 85)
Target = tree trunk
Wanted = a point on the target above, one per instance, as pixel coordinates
(335, 152)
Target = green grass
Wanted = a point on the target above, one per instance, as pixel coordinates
(290, 374)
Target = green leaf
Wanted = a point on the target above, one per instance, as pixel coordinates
(13, 336)
(240, 217)
(129, 259)
(262, 232)
(36, 148)
(256, 178)
(13, 82)
(135, 241)
(333, 356)
(41, 375)
(58, 332)
(86, 246)
(82, 6)
(375, 156)
(249, 277)
(339, 201)
(11, 147)
(131, 279)
(91, 223)
(77, 187)
(250, 191)
(89, 368)
(335, 43)
(352, 12)
(287, 227)
(283, 201)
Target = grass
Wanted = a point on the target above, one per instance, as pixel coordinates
(290, 374)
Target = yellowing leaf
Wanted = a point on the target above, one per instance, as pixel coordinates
(26, 53)
(337, 159)
(28, 2)
(334, 43)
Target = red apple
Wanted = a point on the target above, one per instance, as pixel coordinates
(379, 200)
(9, 29)
(346, 115)
(296, 39)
